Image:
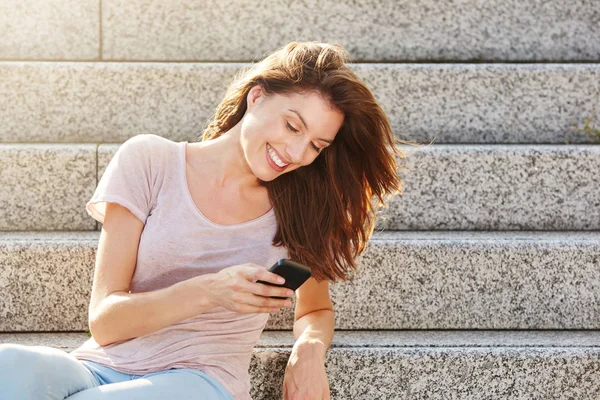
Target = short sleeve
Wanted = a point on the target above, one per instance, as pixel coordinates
(127, 180)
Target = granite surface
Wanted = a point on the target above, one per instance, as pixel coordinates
(431, 280)
(45, 186)
(427, 364)
(443, 373)
(377, 30)
(242, 30)
(500, 187)
(439, 103)
(49, 30)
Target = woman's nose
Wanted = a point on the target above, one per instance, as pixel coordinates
(295, 151)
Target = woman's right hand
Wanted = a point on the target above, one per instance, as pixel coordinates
(236, 289)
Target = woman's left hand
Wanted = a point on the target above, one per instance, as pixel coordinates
(305, 377)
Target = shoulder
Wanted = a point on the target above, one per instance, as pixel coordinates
(147, 154)
(147, 142)
(147, 149)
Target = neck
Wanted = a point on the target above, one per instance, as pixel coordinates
(228, 166)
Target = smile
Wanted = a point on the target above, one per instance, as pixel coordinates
(275, 158)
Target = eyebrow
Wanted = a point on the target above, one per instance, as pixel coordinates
(306, 126)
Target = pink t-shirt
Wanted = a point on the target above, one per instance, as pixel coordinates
(147, 176)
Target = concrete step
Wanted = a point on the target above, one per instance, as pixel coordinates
(52, 102)
(446, 187)
(406, 280)
(470, 30)
(500, 187)
(422, 364)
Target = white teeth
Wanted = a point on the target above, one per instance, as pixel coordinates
(275, 158)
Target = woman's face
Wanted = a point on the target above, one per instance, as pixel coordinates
(289, 130)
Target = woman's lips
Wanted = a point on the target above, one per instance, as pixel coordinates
(272, 163)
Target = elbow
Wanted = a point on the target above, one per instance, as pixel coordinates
(96, 331)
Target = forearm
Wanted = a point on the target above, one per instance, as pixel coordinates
(123, 316)
(314, 332)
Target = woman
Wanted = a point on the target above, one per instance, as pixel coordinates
(295, 163)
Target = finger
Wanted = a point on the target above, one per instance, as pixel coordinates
(261, 289)
(288, 392)
(267, 302)
(267, 310)
(261, 274)
(248, 308)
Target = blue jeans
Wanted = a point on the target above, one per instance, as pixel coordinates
(47, 373)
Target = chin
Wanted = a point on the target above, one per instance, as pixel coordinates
(267, 177)
(273, 177)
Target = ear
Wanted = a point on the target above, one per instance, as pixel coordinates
(254, 94)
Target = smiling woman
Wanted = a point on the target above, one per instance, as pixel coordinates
(296, 163)
(313, 134)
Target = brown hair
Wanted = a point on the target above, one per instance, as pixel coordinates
(325, 210)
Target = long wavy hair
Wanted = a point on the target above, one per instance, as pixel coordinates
(326, 211)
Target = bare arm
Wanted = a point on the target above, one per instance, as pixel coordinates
(114, 313)
(123, 315)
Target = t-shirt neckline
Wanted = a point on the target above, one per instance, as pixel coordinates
(191, 202)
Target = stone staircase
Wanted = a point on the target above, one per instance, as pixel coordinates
(483, 281)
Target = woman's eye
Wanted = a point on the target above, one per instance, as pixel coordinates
(291, 128)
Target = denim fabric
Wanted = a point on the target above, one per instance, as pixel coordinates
(42, 372)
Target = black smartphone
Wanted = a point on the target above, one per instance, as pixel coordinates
(294, 273)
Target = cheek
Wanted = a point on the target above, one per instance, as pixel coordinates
(260, 133)
(304, 163)
(250, 137)
(311, 157)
